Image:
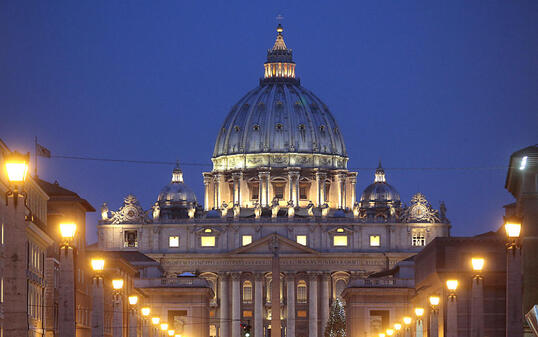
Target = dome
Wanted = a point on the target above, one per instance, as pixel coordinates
(279, 123)
(380, 193)
(176, 193)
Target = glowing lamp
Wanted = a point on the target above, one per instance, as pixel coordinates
(452, 284)
(390, 332)
(512, 229)
(477, 263)
(397, 326)
(164, 326)
(434, 300)
(98, 264)
(381, 335)
(155, 320)
(67, 230)
(407, 320)
(133, 300)
(177, 335)
(145, 311)
(117, 284)
(17, 167)
(171, 332)
(419, 311)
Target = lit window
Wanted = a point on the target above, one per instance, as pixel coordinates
(207, 230)
(301, 313)
(208, 241)
(279, 191)
(255, 192)
(375, 241)
(340, 230)
(301, 239)
(212, 330)
(173, 241)
(130, 239)
(303, 192)
(247, 292)
(301, 292)
(340, 240)
(418, 239)
(247, 313)
(246, 240)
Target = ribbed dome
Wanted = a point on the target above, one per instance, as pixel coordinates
(281, 117)
(379, 193)
(176, 193)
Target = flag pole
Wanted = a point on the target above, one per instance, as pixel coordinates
(35, 154)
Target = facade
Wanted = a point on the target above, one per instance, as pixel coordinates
(279, 200)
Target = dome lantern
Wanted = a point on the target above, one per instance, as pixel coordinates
(379, 174)
(279, 63)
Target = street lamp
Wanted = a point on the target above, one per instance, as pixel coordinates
(98, 294)
(145, 311)
(514, 279)
(164, 326)
(390, 332)
(67, 231)
(434, 302)
(171, 332)
(419, 312)
(419, 325)
(397, 326)
(16, 166)
(66, 286)
(117, 285)
(477, 263)
(477, 298)
(381, 335)
(155, 320)
(452, 309)
(407, 321)
(98, 265)
(133, 300)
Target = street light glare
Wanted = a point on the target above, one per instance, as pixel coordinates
(477, 263)
(452, 284)
(133, 300)
(145, 311)
(117, 284)
(164, 326)
(68, 230)
(407, 320)
(397, 326)
(171, 332)
(155, 320)
(17, 167)
(98, 264)
(419, 311)
(434, 300)
(523, 163)
(390, 332)
(512, 229)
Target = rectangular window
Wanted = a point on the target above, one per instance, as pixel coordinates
(418, 239)
(303, 194)
(212, 330)
(247, 313)
(340, 240)
(301, 239)
(173, 241)
(208, 241)
(255, 192)
(375, 240)
(246, 240)
(301, 313)
(130, 239)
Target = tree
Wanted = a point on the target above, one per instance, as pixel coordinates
(336, 324)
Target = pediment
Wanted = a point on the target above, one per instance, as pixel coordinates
(264, 246)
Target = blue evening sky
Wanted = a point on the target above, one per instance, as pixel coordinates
(414, 83)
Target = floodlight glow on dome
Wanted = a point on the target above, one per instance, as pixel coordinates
(523, 163)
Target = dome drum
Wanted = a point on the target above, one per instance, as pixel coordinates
(281, 160)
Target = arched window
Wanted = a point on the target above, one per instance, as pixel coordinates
(247, 292)
(301, 292)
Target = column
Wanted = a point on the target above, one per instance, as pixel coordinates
(258, 305)
(290, 297)
(207, 191)
(237, 181)
(434, 323)
(236, 304)
(224, 305)
(264, 188)
(325, 295)
(66, 293)
(276, 324)
(419, 332)
(514, 296)
(320, 185)
(293, 184)
(97, 322)
(452, 316)
(340, 180)
(477, 307)
(313, 306)
(117, 318)
(146, 322)
(133, 322)
(352, 178)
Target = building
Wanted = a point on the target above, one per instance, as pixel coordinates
(25, 240)
(279, 200)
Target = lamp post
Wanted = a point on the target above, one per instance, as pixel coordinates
(145, 311)
(419, 312)
(452, 309)
(407, 321)
(397, 328)
(16, 165)
(164, 327)
(117, 319)
(98, 318)
(389, 332)
(514, 278)
(133, 300)
(155, 329)
(66, 286)
(477, 298)
(434, 312)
